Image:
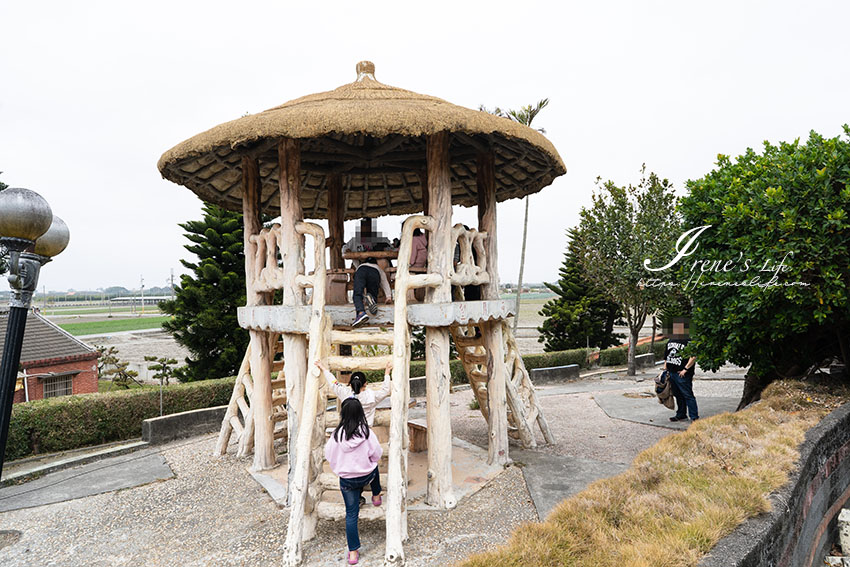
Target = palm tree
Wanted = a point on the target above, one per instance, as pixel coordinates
(525, 115)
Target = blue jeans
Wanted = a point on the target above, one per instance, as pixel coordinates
(351, 489)
(683, 391)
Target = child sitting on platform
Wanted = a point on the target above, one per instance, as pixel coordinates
(356, 388)
(353, 452)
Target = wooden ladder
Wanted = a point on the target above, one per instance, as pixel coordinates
(239, 416)
(523, 407)
(307, 464)
(330, 505)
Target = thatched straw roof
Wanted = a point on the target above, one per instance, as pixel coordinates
(373, 135)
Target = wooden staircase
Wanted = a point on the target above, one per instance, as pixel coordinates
(523, 407)
(239, 417)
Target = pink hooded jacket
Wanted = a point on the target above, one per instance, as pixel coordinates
(353, 457)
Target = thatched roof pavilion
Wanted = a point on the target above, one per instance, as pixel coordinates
(374, 136)
(368, 149)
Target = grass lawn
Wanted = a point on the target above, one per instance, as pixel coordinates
(681, 495)
(106, 327)
(116, 310)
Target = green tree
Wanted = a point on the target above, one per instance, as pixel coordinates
(525, 115)
(107, 357)
(581, 315)
(121, 376)
(624, 227)
(205, 302)
(790, 202)
(163, 368)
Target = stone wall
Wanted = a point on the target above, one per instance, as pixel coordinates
(797, 531)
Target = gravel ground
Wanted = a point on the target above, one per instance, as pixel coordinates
(212, 513)
(133, 347)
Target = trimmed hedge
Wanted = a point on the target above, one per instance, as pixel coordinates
(60, 424)
(609, 357)
(618, 356)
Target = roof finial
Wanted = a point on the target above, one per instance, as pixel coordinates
(365, 69)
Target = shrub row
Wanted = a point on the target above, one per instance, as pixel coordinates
(616, 356)
(60, 424)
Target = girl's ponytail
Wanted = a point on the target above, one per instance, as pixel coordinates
(357, 381)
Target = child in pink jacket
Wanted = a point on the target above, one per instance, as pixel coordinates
(353, 452)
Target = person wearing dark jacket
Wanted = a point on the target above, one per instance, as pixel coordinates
(681, 372)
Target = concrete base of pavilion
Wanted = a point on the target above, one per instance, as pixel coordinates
(470, 472)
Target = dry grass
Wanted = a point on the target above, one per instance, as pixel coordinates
(681, 495)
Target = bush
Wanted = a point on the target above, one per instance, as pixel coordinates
(60, 424)
(618, 356)
(560, 358)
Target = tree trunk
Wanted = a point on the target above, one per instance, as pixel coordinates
(754, 385)
(652, 343)
(633, 335)
(521, 264)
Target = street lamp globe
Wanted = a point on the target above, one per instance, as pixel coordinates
(54, 240)
(24, 214)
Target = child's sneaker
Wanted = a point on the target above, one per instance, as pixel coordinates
(371, 304)
(360, 319)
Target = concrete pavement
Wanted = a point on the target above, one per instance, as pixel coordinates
(114, 473)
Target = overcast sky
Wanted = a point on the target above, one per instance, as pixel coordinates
(92, 93)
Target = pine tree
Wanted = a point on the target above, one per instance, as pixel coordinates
(580, 315)
(205, 302)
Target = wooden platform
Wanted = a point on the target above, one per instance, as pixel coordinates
(296, 319)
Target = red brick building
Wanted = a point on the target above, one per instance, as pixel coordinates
(54, 362)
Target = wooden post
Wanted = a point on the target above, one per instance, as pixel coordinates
(305, 488)
(336, 216)
(261, 357)
(423, 181)
(439, 490)
(399, 436)
(291, 246)
(492, 331)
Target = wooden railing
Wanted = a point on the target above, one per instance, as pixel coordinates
(266, 265)
(472, 267)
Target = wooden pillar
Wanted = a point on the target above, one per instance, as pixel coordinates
(423, 181)
(492, 331)
(292, 252)
(439, 490)
(261, 354)
(336, 216)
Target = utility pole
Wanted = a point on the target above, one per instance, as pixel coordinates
(142, 282)
(172, 284)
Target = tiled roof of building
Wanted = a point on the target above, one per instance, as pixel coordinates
(44, 340)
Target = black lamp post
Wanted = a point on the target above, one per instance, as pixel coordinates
(32, 235)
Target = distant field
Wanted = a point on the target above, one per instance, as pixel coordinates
(122, 310)
(529, 308)
(106, 327)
